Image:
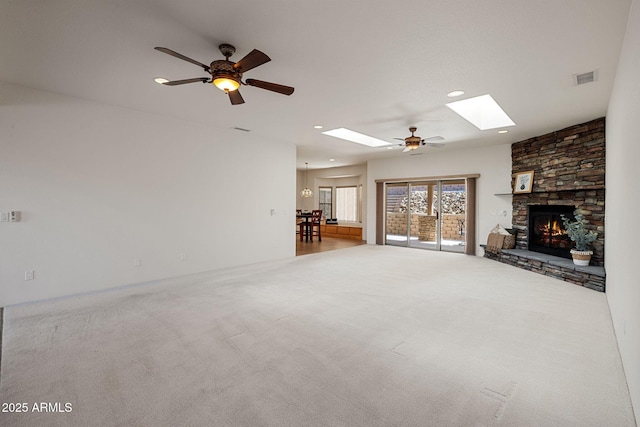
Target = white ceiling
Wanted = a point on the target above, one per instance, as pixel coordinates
(376, 67)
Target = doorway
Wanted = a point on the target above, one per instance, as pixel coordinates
(430, 214)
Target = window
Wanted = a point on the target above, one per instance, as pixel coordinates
(324, 195)
(347, 204)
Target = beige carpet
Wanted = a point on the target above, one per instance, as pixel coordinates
(365, 336)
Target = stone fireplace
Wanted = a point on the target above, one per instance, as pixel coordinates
(568, 173)
(568, 170)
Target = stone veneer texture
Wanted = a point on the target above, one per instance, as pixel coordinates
(568, 169)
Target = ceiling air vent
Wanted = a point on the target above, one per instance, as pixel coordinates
(242, 129)
(582, 78)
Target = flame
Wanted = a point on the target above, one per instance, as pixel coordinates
(551, 234)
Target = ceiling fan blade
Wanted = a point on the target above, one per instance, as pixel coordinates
(435, 144)
(235, 97)
(434, 139)
(391, 146)
(406, 149)
(253, 59)
(285, 90)
(185, 81)
(181, 56)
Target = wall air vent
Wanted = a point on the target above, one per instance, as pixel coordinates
(582, 78)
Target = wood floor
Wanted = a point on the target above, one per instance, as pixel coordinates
(327, 244)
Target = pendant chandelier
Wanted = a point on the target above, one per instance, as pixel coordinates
(306, 192)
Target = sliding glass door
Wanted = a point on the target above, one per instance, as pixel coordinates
(427, 214)
(425, 228)
(453, 214)
(396, 231)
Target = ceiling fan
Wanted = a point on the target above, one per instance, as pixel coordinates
(227, 75)
(413, 142)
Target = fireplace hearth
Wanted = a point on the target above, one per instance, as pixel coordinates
(546, 231)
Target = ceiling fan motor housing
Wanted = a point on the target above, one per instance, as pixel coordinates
(224, 69)
(412, 142)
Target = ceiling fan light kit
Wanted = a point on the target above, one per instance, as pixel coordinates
(226, 83)
(227, 75)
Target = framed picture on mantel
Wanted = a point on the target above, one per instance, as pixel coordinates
(524, 182)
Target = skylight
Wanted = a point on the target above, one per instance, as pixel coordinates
(356, 137)
(482, 111)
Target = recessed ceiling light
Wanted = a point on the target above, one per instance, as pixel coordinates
(503, 131)
(161, 80)
(332, 160)
(317, 127)
(455, 93)
(482, 111)
(390, 147)
(356, 137)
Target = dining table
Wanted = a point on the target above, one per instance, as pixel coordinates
(307, 217)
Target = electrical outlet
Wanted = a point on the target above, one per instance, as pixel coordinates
(29, 275)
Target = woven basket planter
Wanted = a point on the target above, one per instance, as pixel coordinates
(581, 257)
(509, 242)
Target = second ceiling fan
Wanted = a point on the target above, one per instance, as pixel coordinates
(413, 142)
(227, 75)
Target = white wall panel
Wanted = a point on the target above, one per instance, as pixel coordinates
(99, 186)
(623, 205)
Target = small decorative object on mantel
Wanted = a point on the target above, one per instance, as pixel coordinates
(524, 182)
(583, 238)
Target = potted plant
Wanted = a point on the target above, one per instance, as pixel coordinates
(583, 238)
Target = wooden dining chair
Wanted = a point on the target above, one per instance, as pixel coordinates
(314, 224)
(298, 221)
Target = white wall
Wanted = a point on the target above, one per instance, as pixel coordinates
(492, 163)
(99, 186)
(623, 205)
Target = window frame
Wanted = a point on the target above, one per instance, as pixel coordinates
(320, 203)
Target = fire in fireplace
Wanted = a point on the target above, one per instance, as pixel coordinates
(546, 230)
